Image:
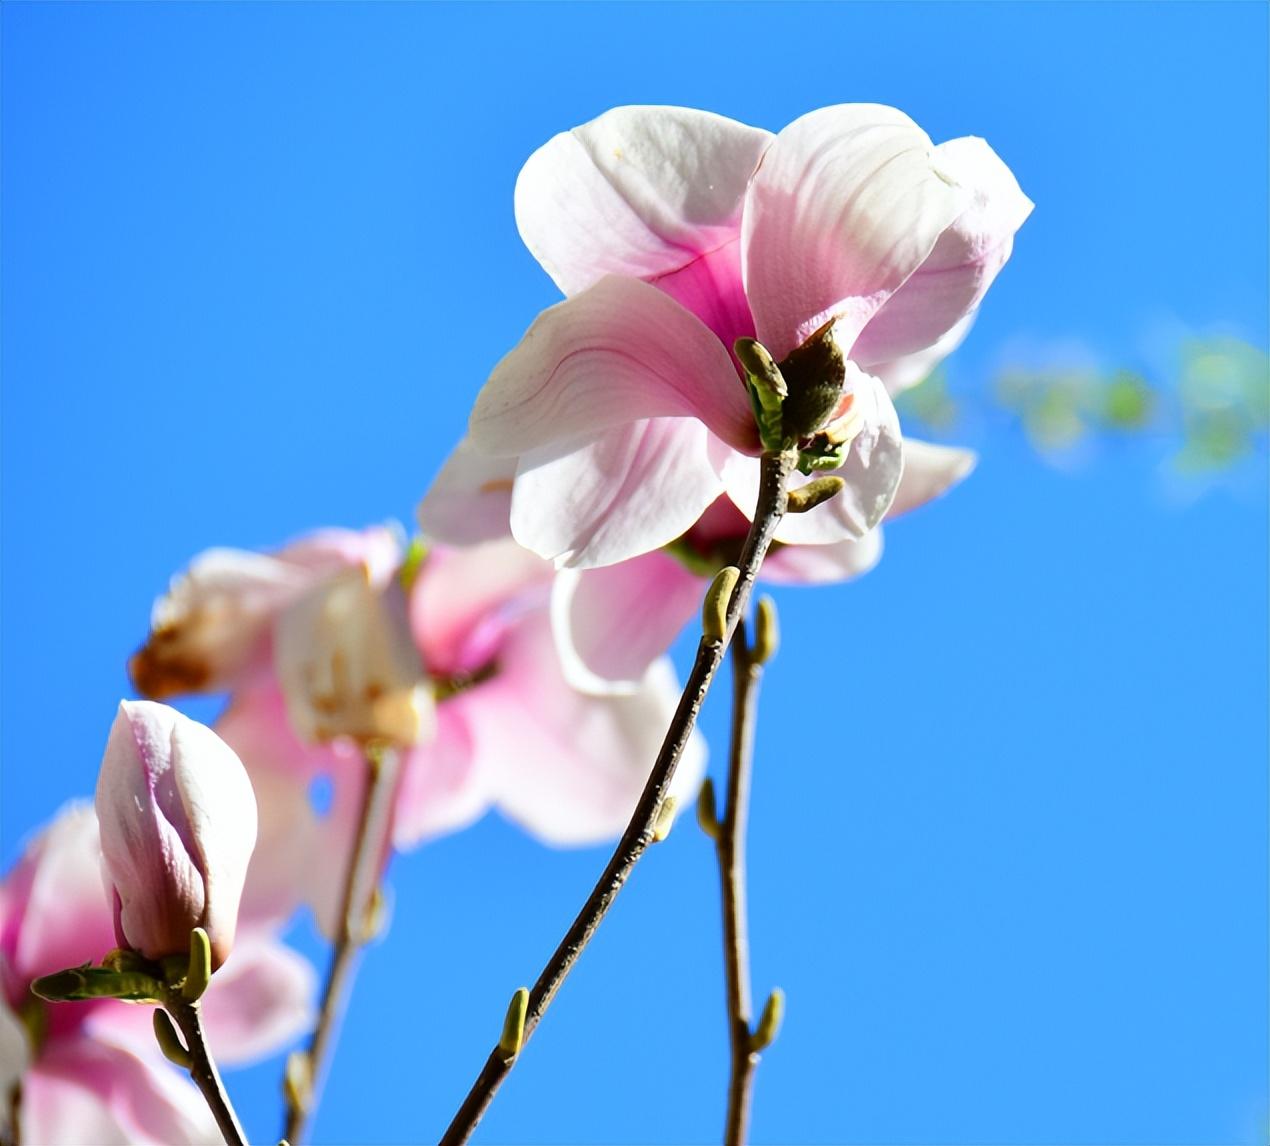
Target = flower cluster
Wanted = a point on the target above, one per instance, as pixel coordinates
(731, 296)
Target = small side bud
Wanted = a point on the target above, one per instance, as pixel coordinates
(707, 815)
(198, 973)
(376, 917)
(769, 1023)
(513, 1036)
(760, 365)
(297, 1081)
(815, 492)
(714, 611)
(767, 633)
(169, 1041)
(665, 819)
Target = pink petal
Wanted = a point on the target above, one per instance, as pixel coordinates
(53, 908)
(617, 353)
(259, 1002)
(462, 600)
(569, 767)
(846, 205)
(86, 1091)
(626, 492)
(442, 789)
(910, 369)
(640, 191)
(470, 500)
(711, 288)
(282, 769)
(953, 279)
(871, 470)
(929, 471)
(823, 564)
(612, 623)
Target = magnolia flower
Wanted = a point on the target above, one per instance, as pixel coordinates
(674, 232)
(510, 733)
(324, 615)
(178, 824)
(91, 1071)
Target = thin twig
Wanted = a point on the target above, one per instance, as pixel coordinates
(730, 849)
(359, 878)
(775, 471)
(203, 1070)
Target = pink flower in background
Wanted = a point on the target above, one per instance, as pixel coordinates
(511, 734)
(674, 232)
(91, 1071)
(612, 622)
(178, 824)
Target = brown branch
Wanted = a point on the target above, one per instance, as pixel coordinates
(374, 821)
(202, 1068)
(775, 471)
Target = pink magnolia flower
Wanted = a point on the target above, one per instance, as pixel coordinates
(178, 824)
(674, 232)
(91, 1071)
(510, 733)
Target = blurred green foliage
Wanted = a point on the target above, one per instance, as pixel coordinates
(1213, 401)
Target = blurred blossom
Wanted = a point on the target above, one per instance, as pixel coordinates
(673, 232)
(511, 734)
(325, 616)
(91, 1071)
(178, 824)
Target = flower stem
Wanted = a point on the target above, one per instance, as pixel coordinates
(775, 471)
(203, 1070)
(373, 823)
(730, 849)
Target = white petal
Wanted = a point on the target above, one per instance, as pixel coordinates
(627, 492)
(640, 191)
(929, 471)
(846, 204)
(470, 500)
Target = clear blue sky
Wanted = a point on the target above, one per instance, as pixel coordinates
(258, 259)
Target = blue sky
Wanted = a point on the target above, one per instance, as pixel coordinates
(258, 259)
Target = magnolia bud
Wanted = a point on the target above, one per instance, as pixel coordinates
(178, 825)
(348, 664)
(816, 374)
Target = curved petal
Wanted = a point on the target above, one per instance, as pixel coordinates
(282, 770)
(441, 790)
(640, 191)
(618, 352)
(711, 287)
(899, 374)
(847, 203)
(621, 494)
(463, 599)
(929, 471)
(53, 908)
(84, 1090)
(470, 500)
(872, 470)
(611, 624)
(823, 564)
(951, 283)
(261, 1000)
(566, 766)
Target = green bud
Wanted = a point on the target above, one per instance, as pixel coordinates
(513, 1036)
(665, 819)
(169, 1041)
(707, 815)
(198, 973)
(815, 492)
(769, 1023)
(714, 610)
(416, 553)
(297, 1080)
(767, 634)
(760, 365)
